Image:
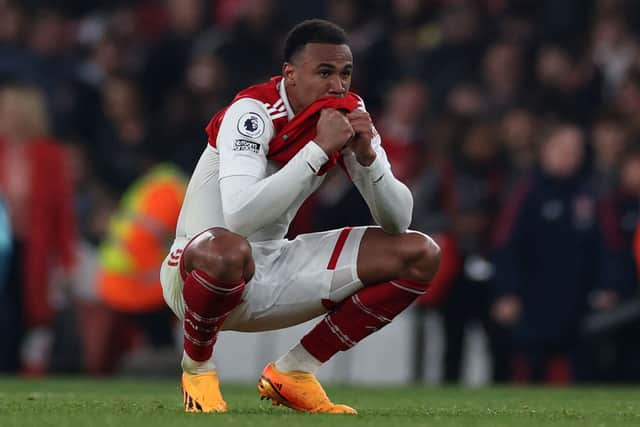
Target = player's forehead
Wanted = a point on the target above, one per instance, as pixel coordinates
(338, 55)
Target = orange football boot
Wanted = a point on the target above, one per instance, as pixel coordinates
(297, 390)
(201, 393)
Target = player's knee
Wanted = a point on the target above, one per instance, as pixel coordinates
(425, 257)
(223, 255)
(228, 256)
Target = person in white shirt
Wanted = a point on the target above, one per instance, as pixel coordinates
(230, 266)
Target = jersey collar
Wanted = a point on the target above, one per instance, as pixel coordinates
(285, 100)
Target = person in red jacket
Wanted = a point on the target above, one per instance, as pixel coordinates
(34, 179)
(230, 266)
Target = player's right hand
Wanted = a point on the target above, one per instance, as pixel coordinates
(333, 130)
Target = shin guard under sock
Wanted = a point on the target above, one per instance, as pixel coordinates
(208, 302)
(360, 315)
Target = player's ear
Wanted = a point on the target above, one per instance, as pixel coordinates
(288, 73)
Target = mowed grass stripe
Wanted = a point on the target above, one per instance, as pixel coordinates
(157, 403)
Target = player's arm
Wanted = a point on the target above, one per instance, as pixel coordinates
(250, 199)
(389, 200)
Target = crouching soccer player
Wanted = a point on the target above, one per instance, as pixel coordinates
(230, 266)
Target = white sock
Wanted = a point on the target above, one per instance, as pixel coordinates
(298, 359)
(191, 366)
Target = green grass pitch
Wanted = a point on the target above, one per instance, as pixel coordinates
(156, 403)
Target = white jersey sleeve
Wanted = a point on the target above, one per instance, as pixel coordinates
(252, 200)
(243, 139)
(389, 200)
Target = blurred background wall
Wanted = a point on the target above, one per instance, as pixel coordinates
(515, 122)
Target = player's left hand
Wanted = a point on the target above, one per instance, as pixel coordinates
(361, 143)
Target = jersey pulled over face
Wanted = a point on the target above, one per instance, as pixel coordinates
(318, 70)
(238, 186)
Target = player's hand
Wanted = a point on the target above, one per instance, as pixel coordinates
(333, 131)
(506, 310)
(361, 143)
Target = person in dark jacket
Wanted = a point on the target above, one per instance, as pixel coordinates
(614, 351)
(547, 263)
(474, 192)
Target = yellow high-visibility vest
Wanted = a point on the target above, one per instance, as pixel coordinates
(139, 236)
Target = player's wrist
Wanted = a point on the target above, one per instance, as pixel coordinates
(326, 148)
(367, 158)
(315, 155)
(375, 170)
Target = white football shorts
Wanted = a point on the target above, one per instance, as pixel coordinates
(294, 281)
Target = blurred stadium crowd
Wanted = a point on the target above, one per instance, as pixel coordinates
(515, 122)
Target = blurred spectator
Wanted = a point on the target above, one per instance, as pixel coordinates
(515, 21)
(516, 133)
(609, 142)
(568, 86)
(636, 249)
(12, 20)
(621, 214)
(562, 20)
(628, 102)
(457, 54)
(401, 124)
(466, 99)
(548, 258)
(121, 142)
(398, 53)
(432, 191)
(503, 76)
(254, 44)
(614, 49)
(179, 134)
(105, 58)
(501, 84)
(49, 40)
(86, 113)
(17, 62)
(165, 67)
(5, 244)
(612, 354)
(475, 186)
(35, 182)
(366, 29)
(128, 287)
(355, 16)
(133, 26)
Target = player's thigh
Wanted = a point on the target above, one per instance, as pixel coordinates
(383, 257)
(298, 280)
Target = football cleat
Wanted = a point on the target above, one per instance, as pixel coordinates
(201, 393)
(297, 390)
